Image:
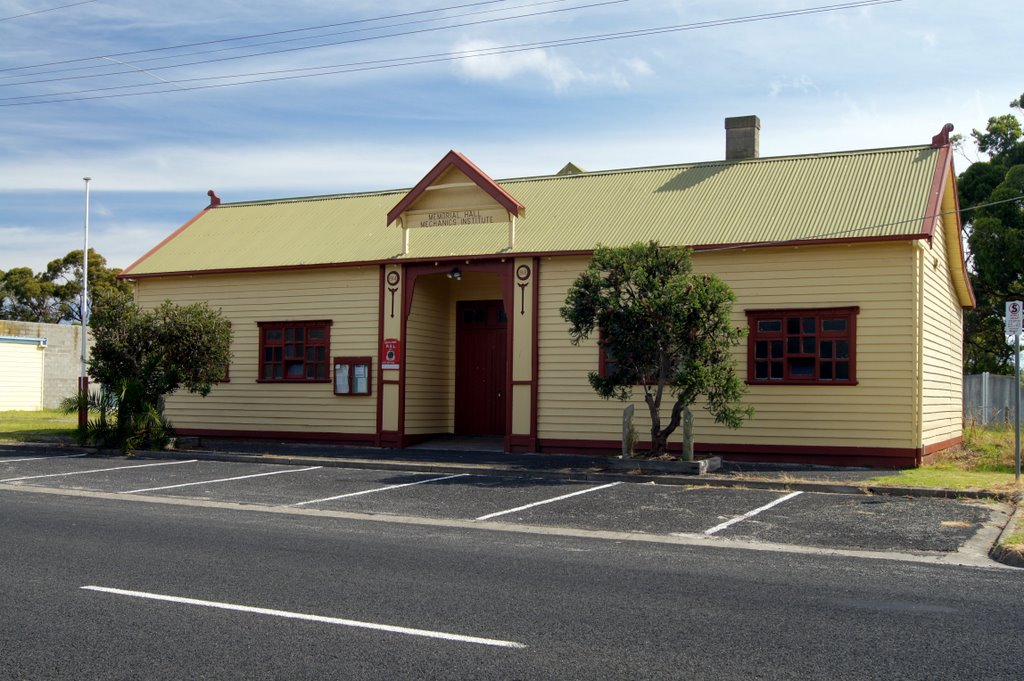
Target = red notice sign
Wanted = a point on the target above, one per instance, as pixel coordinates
(391, 354)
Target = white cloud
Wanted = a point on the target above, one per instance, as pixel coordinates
(29, 247)
(558, 72)
(120, 243)
(279, 166)
(802, 84)
(638, 67)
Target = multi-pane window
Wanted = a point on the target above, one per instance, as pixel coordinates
(802, 346)
(294, 351)
(352, 375)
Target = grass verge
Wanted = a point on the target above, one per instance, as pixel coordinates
(985, 461)
(48, 425)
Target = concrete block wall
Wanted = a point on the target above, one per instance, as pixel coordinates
(61, 363)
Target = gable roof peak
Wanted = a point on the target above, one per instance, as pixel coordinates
(570, 168)
(454, 159)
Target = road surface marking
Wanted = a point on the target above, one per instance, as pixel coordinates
(210, 482)
(750, 514)
(40, 458)
(310, 618)
(380, 489)
(98, 470)
(547, 501)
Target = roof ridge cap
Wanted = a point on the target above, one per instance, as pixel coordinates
(721, 162)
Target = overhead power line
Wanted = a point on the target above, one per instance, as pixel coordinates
(48, 9)
(202, 62)
(254, 36)
(371, 65)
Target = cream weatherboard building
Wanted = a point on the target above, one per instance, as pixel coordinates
(21, 373)
(394, 317)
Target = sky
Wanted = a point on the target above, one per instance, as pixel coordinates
(356, 96)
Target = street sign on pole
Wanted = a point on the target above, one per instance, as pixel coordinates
(1014, 317)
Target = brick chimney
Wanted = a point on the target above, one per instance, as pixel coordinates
(742, 138)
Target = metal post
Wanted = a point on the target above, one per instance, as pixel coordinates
(984, 399)
(1016, 405)
(83, 381)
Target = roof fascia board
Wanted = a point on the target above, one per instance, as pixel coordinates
(24, 340)
(469, 169)
(943, 166)
(944, 208)
(954, 243)
(126, 273)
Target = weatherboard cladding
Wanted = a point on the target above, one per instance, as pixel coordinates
(863, 194)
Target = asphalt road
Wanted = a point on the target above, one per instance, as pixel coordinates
(545, 607)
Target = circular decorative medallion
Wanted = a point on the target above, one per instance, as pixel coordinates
(393, 278)
(523, 272)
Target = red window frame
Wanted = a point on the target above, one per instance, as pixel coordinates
(294, 352)
(351, 386)
(794, 346)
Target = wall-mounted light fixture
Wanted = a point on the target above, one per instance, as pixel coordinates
(455, 274)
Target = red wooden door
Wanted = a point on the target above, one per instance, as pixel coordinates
(480, 367)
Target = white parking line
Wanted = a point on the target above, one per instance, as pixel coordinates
(547, 501)
(311, 618)
(210, 482)
(750, 514)
(40, 458)
(98, 470)
(380, 489)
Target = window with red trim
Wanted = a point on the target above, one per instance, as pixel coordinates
(352, 375)
(295, 351)
(802, 346)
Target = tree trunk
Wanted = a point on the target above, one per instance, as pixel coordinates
(658, 441)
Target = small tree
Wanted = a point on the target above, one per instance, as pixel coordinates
(54, 296)
(141, 356)
(28, 297)
(663, 327)
(66, 275)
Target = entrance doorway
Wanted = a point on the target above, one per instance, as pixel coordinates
(480, 367)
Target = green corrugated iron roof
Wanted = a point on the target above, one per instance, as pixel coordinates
(861, 194)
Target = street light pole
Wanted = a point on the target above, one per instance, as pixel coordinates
(83, 381)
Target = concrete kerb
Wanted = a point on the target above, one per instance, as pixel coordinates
(999, 551)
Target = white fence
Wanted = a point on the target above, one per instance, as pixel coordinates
(988, 398)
